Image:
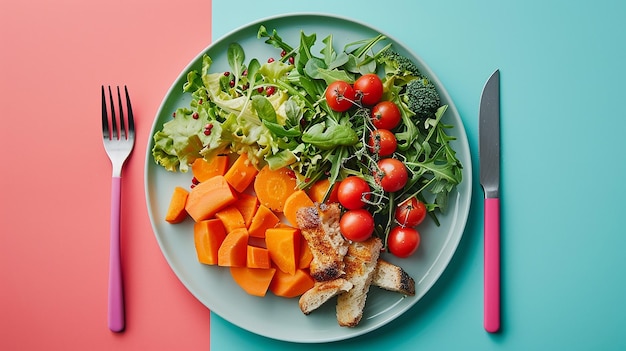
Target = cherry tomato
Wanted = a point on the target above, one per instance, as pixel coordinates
(403, 241)
(394, 174)
(410, 213)
(340, 96)
(382, 142)
(357, 225)
(369, 88)
(386, 115)
(352, 191)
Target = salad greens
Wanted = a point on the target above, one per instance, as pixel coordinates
(277, 114)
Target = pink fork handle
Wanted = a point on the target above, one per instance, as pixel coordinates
(116, 288)
(492, 265)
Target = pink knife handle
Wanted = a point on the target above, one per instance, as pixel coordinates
(492, 265)
(116, 291)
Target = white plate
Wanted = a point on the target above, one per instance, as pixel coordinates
(272, 316)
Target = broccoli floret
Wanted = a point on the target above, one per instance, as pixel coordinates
(422, 97)
(396, 64)
(418, 93)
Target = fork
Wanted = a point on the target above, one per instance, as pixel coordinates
(118, 143)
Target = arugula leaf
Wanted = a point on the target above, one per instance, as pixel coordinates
(304, 54)
(358, 59)
(408, 131)
(361, 47)
(332, 59)
(328, 51)
(434, 164)
(316, 69)
(313, 66)
(273, 39)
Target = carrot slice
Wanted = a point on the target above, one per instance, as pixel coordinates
(231, 218)
(208, 236)
(234, 249)
(241, 174)
(258, 257)
(293, 203)
(209, 197)
(254, 281)
(284, 247)
(203, 170)
(176, 212)
(247, 205)
(274, 187)
(320, 190)
(263, 219)
(291, 285)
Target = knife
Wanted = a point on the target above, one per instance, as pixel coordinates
(489, 156)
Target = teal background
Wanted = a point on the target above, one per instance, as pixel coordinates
(563, 169)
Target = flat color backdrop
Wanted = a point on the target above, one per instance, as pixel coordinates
(56, 177)
(562, 126)
(562, 171)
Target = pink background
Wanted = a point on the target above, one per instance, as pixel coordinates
(55, 177)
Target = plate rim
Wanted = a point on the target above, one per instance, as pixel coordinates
(467, 170)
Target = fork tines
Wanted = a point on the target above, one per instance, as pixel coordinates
(110, 129)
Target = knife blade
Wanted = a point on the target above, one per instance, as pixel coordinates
(489, 156)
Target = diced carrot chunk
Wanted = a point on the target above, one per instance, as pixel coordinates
(254, 281)
(247, 204)
(176, 212)
(231, 218)
(208, 237)
(291, 285)
(203, 170)
(209, 197)
(258, 257)
(234, 249)
(241, 174)
(263, 219)
(284, 247)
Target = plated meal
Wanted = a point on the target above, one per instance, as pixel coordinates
(308, 174)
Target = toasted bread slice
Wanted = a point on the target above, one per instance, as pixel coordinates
(361, 261)
(320, 227)
(322, 292)
(393, 278)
